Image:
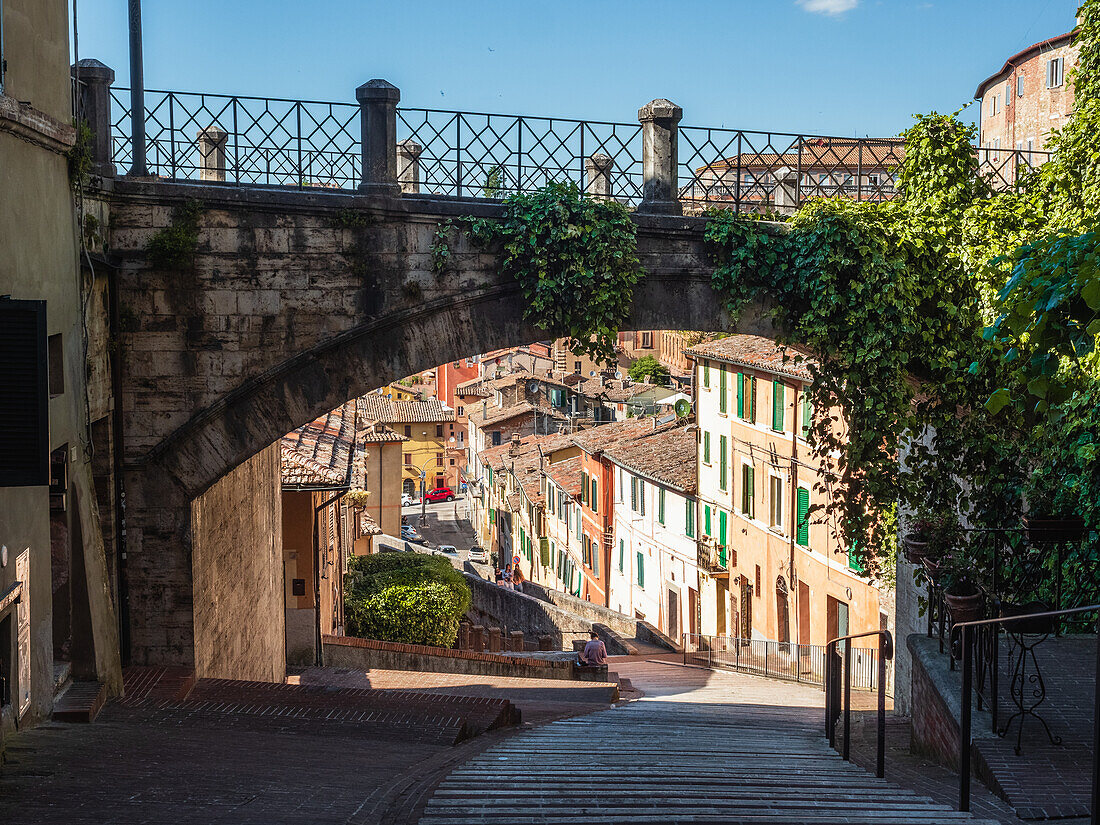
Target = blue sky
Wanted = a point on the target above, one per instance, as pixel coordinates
(846, 67)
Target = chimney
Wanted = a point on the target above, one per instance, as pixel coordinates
(515, 444)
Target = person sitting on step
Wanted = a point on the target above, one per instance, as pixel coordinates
(595, 652)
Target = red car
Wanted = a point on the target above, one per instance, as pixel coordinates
(440, 494)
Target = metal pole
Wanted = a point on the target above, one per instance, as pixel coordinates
(828, 698)
(880, 769)
(1095, 818)
(137, 94)
(964, 721)
(847, 701)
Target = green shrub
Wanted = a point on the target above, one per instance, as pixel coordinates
(405, 597)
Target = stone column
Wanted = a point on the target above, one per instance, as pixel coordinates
(786, 190)
(597, 170)
(545, 642)
(96, 79)
(378, 124)
(463, 642)
(660, 165)
(515, 641)
(408, 166)
(494, 640)
(477, 638)
(212, 142)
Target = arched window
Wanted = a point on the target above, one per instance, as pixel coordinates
(782, 611)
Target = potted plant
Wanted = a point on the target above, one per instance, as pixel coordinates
(1051, 504)
(960, 574)
(930, 537)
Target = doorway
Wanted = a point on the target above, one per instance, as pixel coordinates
(782, 612)
(673, 623)
(803, 613)
(746, 608)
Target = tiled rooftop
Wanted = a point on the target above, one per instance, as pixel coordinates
(820, 153)
(324, 452)
(605, 436)
(494, 414)
(375, 407)
(759, 352)
(666, 454)
(377, 433)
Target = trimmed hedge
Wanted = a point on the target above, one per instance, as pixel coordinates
(405, 597)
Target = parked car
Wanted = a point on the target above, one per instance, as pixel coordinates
(409, 534)
(478, 554)
(448, 549)
(440, 494)
(407, 500)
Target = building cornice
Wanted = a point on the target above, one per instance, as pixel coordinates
(29, 124)
(1022, 57)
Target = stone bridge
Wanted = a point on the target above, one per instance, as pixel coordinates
(296, 301)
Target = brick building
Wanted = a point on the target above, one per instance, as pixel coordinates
(1030, 95)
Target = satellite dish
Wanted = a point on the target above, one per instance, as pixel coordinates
(532, 387)
(683, 408)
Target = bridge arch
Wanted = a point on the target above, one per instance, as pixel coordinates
(296, 302)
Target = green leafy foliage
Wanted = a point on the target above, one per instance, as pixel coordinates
(174, 246)
(405, 597)
(575, 259)
(79, 157)
(648, 368)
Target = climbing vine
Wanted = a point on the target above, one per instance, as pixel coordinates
(575, 259)
(174, 246)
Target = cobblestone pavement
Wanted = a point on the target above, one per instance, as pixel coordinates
(700, 746)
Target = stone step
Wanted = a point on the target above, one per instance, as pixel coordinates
(80, 702)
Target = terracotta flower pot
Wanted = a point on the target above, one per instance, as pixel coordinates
(964, 608)
(916, 549)
(1031, 626)
(1040, 528)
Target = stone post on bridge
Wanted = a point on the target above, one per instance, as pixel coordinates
(660, 121)
(408, 166)
(378, 124)
(95, 109)
(212, 142)
(786, 190)
(597, 170)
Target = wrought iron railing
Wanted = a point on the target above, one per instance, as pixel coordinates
(776, 660)
(975, 642)
(309, 143)
(840, 659)
(712, 558)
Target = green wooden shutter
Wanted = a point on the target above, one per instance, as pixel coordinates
(706, 375)
(807, 414)
(592, 503)
(740, 395)
(641, 570)
(722, 528)
(661, 505)
(802, 529)
(779, 404)
(689, 519)
(752, 400)
(722, 466)
(706, 447)
(722, 390)
(622, 554)
(706, 519)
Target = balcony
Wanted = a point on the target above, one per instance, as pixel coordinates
(713, 559)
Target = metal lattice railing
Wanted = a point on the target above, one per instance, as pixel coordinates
(301, 143)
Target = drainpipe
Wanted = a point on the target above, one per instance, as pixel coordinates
(320, 658)
(794, 596)
(137, 93)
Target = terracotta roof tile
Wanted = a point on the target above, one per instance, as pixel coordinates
(667, 454)
(323, 452)
(494, 414)
(759, 352)
(368, 526)
(567, 474)
(376, 407)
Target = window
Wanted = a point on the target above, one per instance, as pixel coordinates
(576, 366)
(452, 462)
(722, 401)
(775, 503)
(56, 372)
(661, 505)
(1054, 73)
(722, 529)
(802, 522)
(584, 487)
(622, 554)
(408, 431)
(496, 438)
(706, 375)
(586, 550)
(706, 447)
(641, 570)
(592, 496)
(758, 581)
(689, 518)
(752, 401)
(723, 451)
(438, 430)
(461, 410)
(993, 105)
(746, 490)
(740, 395)
(647, 340)
(594, 549)
(807, 414)
(1019, 85)
(439, 459)
(408, 458)
(1008, 95)
(779, 405)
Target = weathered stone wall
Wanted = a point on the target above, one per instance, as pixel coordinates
(236, 529)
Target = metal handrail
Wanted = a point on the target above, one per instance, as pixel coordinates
(966, 742)
(833, 703)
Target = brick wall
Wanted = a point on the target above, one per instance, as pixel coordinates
(935, 729)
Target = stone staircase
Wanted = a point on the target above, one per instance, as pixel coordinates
(75, 700)
(698, 753)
